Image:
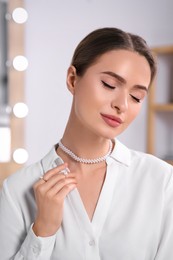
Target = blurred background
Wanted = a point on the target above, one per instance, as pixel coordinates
(47, 39)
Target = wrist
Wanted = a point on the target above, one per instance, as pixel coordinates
(42, 230)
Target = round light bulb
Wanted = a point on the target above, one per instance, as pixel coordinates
(20, 63)
(20, 156)
(20, 110)
(20, 15)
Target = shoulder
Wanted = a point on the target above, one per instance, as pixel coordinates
(149, 161)
(142, 165)
(138, 159)
(21, 182)
(151, 168)
(24, 179)
(17, 190)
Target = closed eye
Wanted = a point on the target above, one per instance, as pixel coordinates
(136, 99)
(107, 85)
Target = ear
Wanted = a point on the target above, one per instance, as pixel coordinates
(71, 79)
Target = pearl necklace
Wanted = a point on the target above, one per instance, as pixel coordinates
(87, 161)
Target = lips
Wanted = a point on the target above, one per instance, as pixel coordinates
(111, 120)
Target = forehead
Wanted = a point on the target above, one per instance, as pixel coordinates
(122, 57)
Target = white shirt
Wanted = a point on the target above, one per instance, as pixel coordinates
(133, 219)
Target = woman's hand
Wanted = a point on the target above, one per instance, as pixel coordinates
(50, 193)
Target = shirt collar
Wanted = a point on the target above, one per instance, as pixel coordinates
(48, 162)
(120, 153)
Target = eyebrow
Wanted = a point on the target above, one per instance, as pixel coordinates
(122, 80)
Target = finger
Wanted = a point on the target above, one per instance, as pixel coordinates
(41, 181)
(60, 185)
(45, 185)
(57, 178)
(65, 191)
(50, 173)
(55, 170)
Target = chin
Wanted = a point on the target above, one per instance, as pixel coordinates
(108, 135)
(112, 133)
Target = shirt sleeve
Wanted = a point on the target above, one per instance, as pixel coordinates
(17, 243)
(165, 250)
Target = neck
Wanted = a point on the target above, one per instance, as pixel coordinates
(84, 149)
(84, 143)
(85, 160)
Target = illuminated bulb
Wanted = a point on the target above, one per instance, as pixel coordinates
(20, 15)
(20, 63)
(20, 156)
(20, 110)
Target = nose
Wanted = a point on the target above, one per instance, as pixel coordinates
(120, 102)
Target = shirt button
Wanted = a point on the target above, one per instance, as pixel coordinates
(36, 250)
(92, 242)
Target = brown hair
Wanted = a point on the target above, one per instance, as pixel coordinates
(103, 40)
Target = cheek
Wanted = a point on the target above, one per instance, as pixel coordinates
(133, 113)
(89, 95)
(83, 103)
(130, 116)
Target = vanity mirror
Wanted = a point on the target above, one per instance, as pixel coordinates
(13, 64)
(5, 133)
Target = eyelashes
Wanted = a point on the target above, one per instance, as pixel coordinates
(107, 85)
(113, 87)
(136, 99)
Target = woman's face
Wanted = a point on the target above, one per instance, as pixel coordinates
(109, 95)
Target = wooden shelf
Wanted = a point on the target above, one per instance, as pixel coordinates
(163, 107)
(163, 49)
(153, 106)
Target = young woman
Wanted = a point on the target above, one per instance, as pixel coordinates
(106, 201)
